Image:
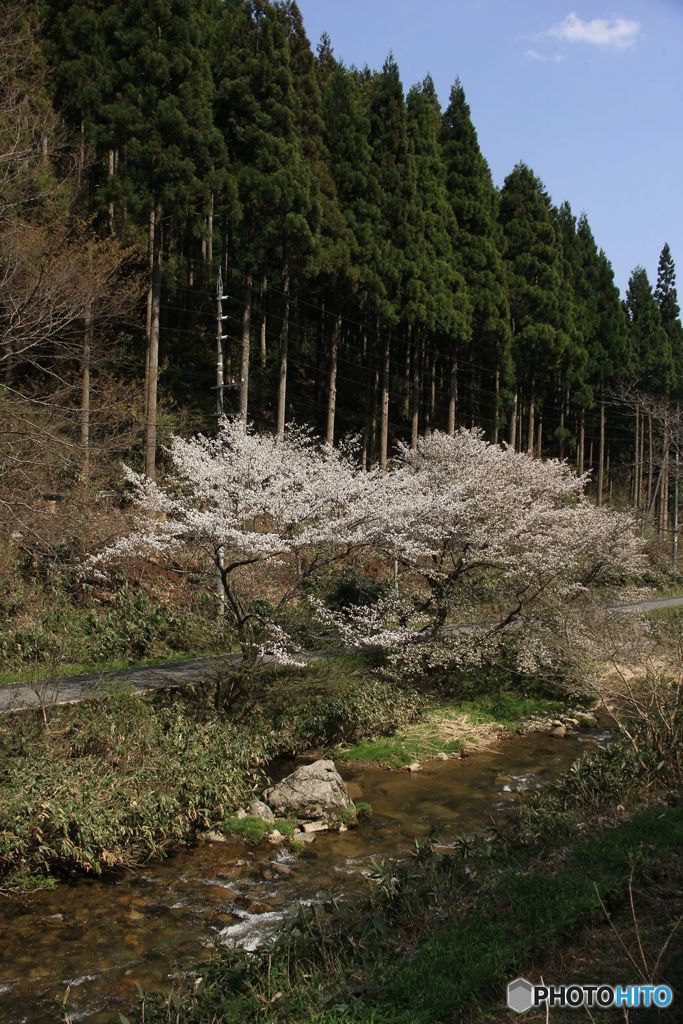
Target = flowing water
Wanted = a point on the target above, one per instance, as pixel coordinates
(100, 939)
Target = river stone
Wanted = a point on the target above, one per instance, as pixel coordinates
(310, 827)
(281, 869)
(257, 809)
(313, 792)
(559, 732)
(211, 837)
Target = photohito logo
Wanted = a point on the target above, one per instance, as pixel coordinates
(523, 995)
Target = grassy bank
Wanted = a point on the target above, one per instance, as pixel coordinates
(116, 781)
(454, 726)
(441, 935)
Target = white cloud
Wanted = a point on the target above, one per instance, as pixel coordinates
(553, 58)
(618, 33)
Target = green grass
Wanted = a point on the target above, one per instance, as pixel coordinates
(423, 740)
(254, 829)
(525, 915)
(396, 751)
(504, 708)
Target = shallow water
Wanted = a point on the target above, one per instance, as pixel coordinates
(101, 938)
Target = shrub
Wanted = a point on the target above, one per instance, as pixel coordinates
(119, 784)
(332, 711)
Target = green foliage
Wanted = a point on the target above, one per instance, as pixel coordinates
(394, 751)
(134, 625)
(118, 784)
(666, 298)
(532, 264)
(478, 240)
(326, 707)
(507, 708)
(350, 589)
(42, 627)
(649, 340)
(254, 829)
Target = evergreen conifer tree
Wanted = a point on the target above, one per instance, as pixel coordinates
(670, 314)
(391, 184)
(478, 244)
(435, 297)
(275, 221)
(534, 281)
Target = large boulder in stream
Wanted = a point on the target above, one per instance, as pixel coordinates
(314, 792)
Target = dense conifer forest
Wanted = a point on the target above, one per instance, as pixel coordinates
(201, 212)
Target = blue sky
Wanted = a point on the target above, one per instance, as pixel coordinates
(588, 94)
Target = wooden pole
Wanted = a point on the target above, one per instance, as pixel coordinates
(246, 346)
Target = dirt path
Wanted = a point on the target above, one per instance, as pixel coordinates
(70, 690)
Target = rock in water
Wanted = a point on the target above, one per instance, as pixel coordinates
(313, 792)
(257, 809)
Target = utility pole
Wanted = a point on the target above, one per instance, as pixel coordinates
(220, 412)
(220, 338)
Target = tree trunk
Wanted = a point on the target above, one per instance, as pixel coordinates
(650, 467)
(332, 379)
(148, 319)
(674, 533)
(366, 370)
(85, 389)
(561, 441)
(282, 371)
(641, 462)
(415, 394)
(496, 407)
(110, 204)
(406, 380)
(321, 355)
(384, 428)
(431, 413)
(220, 356)
(513, 421)
(153, 373)
(209, 231)
(664, 489)
(530, 434)
(539, 440)
(636, 493)
(371, 457)
(582, 443)
(601, 453)
(262, 341)
(81, 154)
(246, 345)
(453, 395)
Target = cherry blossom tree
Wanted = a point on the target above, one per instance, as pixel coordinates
(492, 544)
(286, 509)
(488, 548)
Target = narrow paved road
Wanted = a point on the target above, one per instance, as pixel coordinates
(71, 690)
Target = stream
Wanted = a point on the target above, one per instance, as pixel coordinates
(102, 938)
